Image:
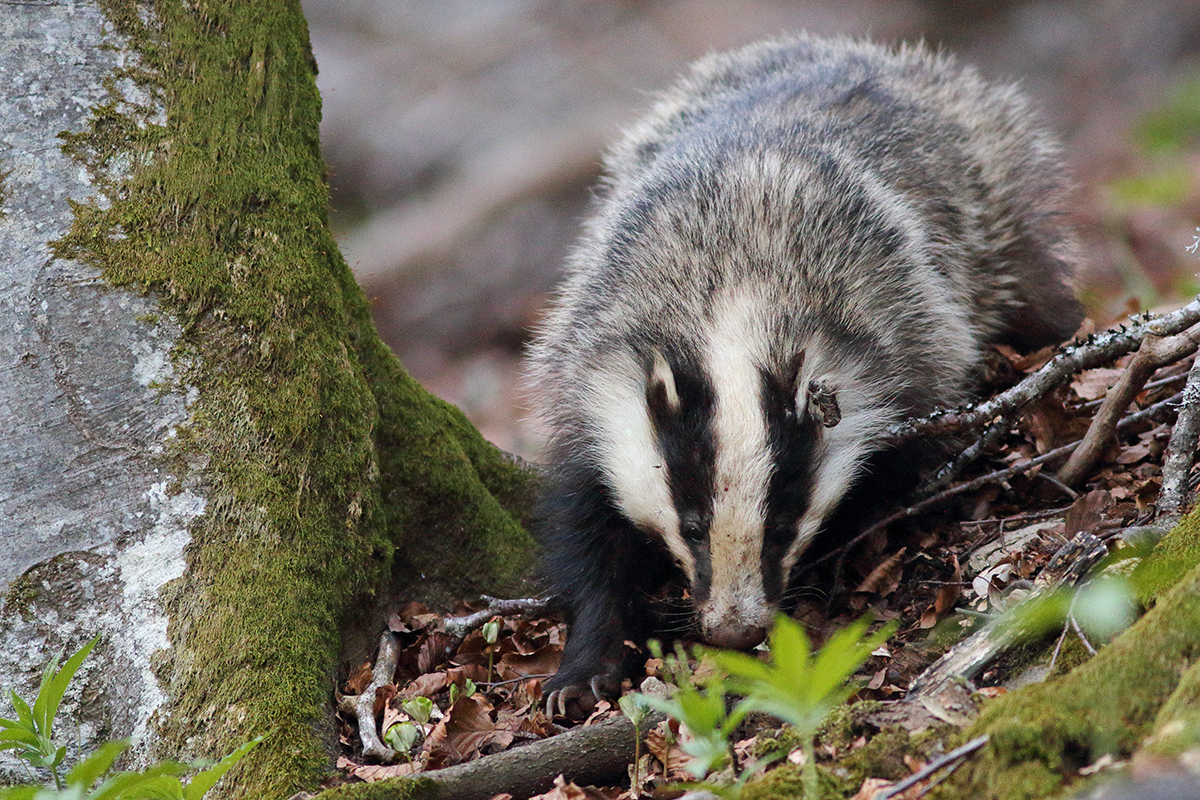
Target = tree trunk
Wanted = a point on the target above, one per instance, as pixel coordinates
(209, 457)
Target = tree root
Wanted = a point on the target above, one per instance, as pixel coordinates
(363, 705)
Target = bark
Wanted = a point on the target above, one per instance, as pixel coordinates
(209, 458)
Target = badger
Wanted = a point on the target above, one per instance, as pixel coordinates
(803, 242)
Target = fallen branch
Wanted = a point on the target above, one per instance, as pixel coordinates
(951, 759)
(1154, 352)
(1181, 450)
(1095, 351)
(999, 476)
(458, 627)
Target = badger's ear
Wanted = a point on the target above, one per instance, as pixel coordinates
(823, 403)
(791, 377)
(661, 395)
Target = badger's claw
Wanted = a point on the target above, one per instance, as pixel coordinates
(577, 702)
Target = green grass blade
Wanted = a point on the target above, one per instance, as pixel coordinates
(52, 693)
(95, 766)
(204, 781)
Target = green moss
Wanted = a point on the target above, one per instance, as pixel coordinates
(1042, 735)
(393, 789)
(1170, 560)
(324, 458)
(787, 783)
(20, 597)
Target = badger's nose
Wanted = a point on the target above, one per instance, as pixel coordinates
(735, 636)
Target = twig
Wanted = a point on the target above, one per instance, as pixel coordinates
(954, 758)
(998, 476)
(991, 434)
(1062, 637)
(364, 706)
(1181, 449)
(1093, 352)
(1079, 632)
(1154, 352)
(1092, 405)
(457, 628)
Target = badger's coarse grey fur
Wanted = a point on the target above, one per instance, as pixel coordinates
(804, 241)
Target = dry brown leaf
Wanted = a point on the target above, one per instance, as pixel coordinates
(463, 733)
(569, 791)
(432, 653)
(877, 679)
(418, 616)
(375, 772)
(1133, 454)
(929, 618)
(358, 682)
(426, 685)
(884, 579)
(540, 663)
(1086, 512)
(1094, 384)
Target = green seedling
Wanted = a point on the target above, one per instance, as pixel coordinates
(30, 738)
(491, 634)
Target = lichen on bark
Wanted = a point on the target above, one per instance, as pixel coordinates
(324, 461)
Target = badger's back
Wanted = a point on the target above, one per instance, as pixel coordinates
(802, 242)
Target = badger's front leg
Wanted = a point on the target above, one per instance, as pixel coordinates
(604, 571)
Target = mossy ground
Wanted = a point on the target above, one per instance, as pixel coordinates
(328, 469)
(1144, 682)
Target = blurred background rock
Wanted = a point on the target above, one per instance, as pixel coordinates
(463, 136)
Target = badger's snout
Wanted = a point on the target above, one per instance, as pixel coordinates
(735, 635)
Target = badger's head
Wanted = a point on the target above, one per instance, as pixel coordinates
(732, 456)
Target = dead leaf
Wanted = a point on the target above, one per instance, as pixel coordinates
(569, 791)
(884, 579)
(1094, 384)
(1133, 454)
(929, 618)
(426, 685)
(540, 663)
(464, 732)
(1086, 512)
(417, 616)
(358, 682)
(375, 772)
(877, 679)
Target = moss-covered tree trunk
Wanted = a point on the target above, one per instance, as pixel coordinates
(210, 458)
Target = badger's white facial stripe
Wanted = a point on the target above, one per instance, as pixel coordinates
(842, 450)
(661, 380)
(742, 471)
(630, 457)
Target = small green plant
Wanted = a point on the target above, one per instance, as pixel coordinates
(635, 707)
(403, 735)
(30, 737)
(467, 690)
(796, 686)
(491, 634)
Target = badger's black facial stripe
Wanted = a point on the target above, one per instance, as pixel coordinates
(792, 437)
(685, 437)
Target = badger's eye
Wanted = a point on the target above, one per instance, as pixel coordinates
(691, 529)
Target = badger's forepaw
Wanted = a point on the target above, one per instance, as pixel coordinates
(576, 702)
